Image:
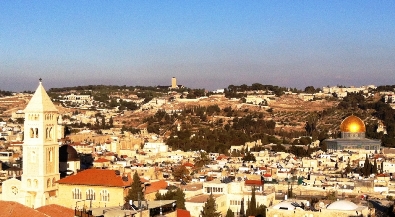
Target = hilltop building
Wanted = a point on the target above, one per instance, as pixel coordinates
(353, 137)
(174, 83)
(172, 86)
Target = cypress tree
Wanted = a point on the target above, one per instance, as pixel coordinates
(374, 170)
(248, 211)
(135, 189)
(103, 122)
(366, 167)
(209, 209)
(261, 211)
(252, 210)
(348, 168)
(241, 214)
(180, 199)
(229, 213)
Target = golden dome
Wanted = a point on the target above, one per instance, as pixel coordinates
(352, 124)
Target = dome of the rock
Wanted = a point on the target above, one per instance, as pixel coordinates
(352, 124)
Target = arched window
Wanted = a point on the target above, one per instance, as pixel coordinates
(76, 194)
(31, 133)
(50, 132)
(53, 181)
(104, 195)
(48, 183)
(36, 132)
(29, 183)
(90, 194)
(50, 157)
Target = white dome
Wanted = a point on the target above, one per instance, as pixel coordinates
(342, 205)
(284, 205)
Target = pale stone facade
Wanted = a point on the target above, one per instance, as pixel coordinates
(40, 155)
(93, 196)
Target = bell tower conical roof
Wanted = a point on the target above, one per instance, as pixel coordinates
(40, 102)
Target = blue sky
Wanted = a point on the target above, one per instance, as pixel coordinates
(205, 44)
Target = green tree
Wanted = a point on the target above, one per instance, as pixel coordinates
(103, 122)
(111, 122)
(180, 172)
(241, 213)
(374, 169)
(309, 89)
(173, 194)
(252, 211)
(367, 167)
(202, 160)
(261, 211)
(249, 157)
(331, 195)
(229, 213)
(180, 198)
(348, 169)
(209, 209)
(97, 124)
(135, 190)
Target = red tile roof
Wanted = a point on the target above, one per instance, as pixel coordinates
(183, 213)
(267, 175)
(187, 164)
(96, 177)
(14, 209)
(253, 182)
(156, 186)
(102, 160)
(54, 210)
(222, 156)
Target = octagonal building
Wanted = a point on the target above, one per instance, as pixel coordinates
(353, 137)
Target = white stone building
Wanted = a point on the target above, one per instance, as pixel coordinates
(38, 186)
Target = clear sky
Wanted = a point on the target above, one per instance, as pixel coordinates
(204, 43)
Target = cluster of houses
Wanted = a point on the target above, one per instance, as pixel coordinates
(93, 172)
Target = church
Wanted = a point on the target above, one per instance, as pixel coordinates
(353, 138)
(38, 185)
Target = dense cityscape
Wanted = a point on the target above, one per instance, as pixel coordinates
(257, 150)
(200, 108)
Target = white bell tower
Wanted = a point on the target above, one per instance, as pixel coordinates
(40, 150)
